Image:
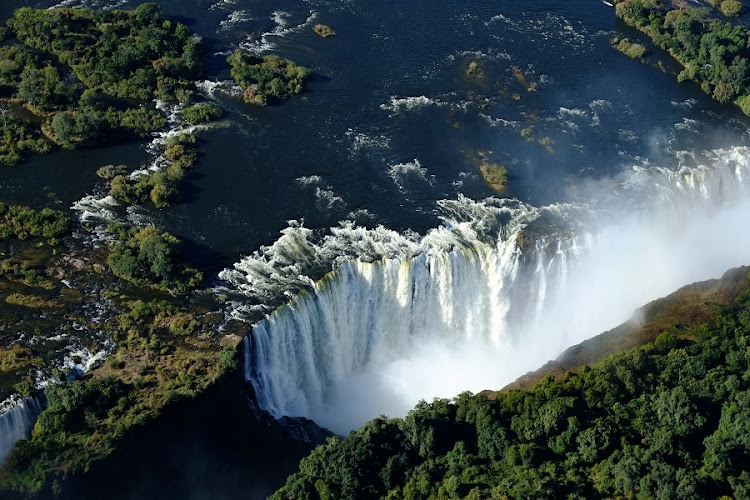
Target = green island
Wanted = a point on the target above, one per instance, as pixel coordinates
(631, 49)
(267, 78)
(668, 419)
(86, 78)
(324, 30)
(713, 53)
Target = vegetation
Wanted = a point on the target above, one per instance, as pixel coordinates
(730, 8)
(714, 53)
(22, 222)
(161, 187)
(22, 273)
(266, 78)
(79, 71)
(109, 172)
(323, 30)
(494, 174)
(631, 49)
(164, 355)
(474, 71)
(31, 301)
(16, 357)
(17, 138)
(129, 54)
(201, 113)
(667, 420)
(86, 419)
(149, 257)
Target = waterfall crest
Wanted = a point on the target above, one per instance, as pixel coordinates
(17, 422)
(498, 289)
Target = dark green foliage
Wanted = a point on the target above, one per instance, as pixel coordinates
(133, 55)
(74, 68)
(715, 54)
(77, 128)
(21, 222)
(17, 137)
(75, 405)
(44, 89)
(230, 361)
(266, 78)
(201, 113)
(150, 257)
(668, 420)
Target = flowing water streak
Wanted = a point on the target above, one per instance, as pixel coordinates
(16, 423)
(101, 207)
(495, 291)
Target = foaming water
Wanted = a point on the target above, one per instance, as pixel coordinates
(497, 290)
(16, 423)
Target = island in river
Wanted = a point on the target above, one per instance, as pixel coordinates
(174, 354)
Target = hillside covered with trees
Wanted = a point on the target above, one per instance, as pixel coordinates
(666, 420)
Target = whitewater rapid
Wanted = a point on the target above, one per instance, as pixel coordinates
(495, 291)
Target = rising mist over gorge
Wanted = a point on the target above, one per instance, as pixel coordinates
(499, 289)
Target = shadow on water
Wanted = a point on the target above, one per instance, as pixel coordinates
(213, 446)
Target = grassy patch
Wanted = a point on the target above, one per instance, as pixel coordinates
(30, 301)
(630, 49)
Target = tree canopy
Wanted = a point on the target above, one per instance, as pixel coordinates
(668, 420)
(714, 53)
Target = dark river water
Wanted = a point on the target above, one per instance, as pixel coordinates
(404, 104)
(390, 122)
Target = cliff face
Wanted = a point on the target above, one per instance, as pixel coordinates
(687, 308)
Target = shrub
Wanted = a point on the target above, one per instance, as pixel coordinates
(632, 49)
(731, 8)
(201, 113)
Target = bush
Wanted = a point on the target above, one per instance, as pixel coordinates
(744, 103)
(230, 361)
(731, 8)
(631, 49)
(201, 113)
(22, 222)
(109, 172)
(160, 187)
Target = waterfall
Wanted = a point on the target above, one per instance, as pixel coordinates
(498, 289)
(17, 422)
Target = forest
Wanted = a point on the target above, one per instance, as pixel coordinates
(713, 53)
(667, 420)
